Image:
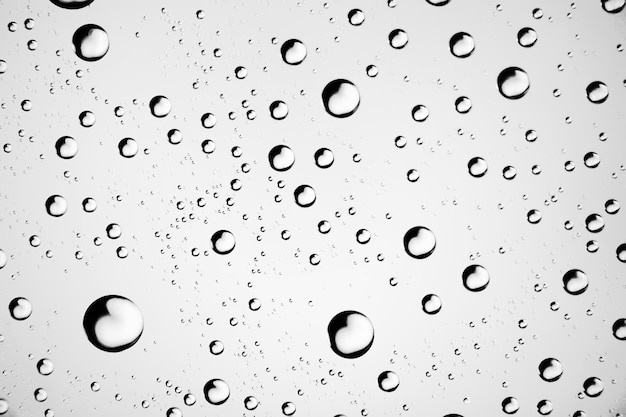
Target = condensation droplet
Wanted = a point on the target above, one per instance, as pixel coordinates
(431, 304)
(351, 334)
(281, 158)
(341, 98)
(575, 282)
(66, 147)
(550, 369)
(462, 45)
(91, 42)
(398, 39)
(475, 278)
(419, 242)
(20, 308)
(56, 206)
(304, 195)
(160, 106)
(388, 381)
(293, 52)
(513, 83)
(223, 242)
(597, 92)
(216, 391)
(113, 323)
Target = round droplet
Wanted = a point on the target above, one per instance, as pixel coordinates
(293, 52)
(4, 406)
(114, 231)
(279, 110)
(324, 158)
(388, 381)
(544, 407)
(533, 216)
(113, 323)
(351, 334)
(341, 98)
(513, 83)
(591, 160)
(371, 71)
(619, 329)
(420, 113)
(288, 408)
(611, 206)
(216, 391)
(419, 242)
(526, 37)
(281, 158)
(189, 399)
(91, 42)
(413, 175)
(41, 395)
(438, 2)
(510, 405)
(89, 205)
(66, 147)
(45, 366)
(477, 167)
(216, 347)
(398, 39)
(462, 45)
(621, 252)
(324, 227)
(241, 73)
(431, 304)
(254, 304)
(356, 17)
(250, 403)
(173, 412)
(475, 278)
(3, 259)
(575, 282)
(594, 223)
(304, 196)
(208, 146)
(174, 136)
(597, 92)
(20, 308)
(160, 106)
(550, 370)
(509, 172)
(128, 147)
(223, 242)
(208, 120)
(613, 6)
(463, 105)
(87, 118)
(72, 4)
(363, 236)
(593, 386)
(56, 206)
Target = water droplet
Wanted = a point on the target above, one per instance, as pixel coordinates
(533, 216)
(513, 83)
(56, 206)
(324, 158)
(41, 395)
(611, 206)
(281, 158)
(293, 52)
(174, 412)
(288, 408)
(398, 39)
(613, 6)
(591, 160)
(216, 347)
(510, 405)
(477, 167)
(304, 195)
(619, 329)
(189, 399)
(128, 147)
(594, 223)
(223, 242)
(87, 118)
(593, 387)
(3, 259)
(89, 205)
(509, 172)
(356, 17)
(550, 370)
(216, 391)
(250, 403)
(341, 98)
(544, 407)
(254, 304)
(526, 37)
(91, 42)
(371, 71)
(241, 73)
(597, 92)
(323, 227)
(278, 110)
(419, 242)
(431, 304)
(420, 113)
(4, 406)
(208, 120)
(113, 323)
(621, 252)
(438, 3)
(388, 381)
(174, 136)
(475, 278)
(462, 45)
(72, 4)
(66, 147)
(45, 366)
(160, 106)
(463, 105)
(363, 236)
(575, 282)
(351, 334)
(20, 308)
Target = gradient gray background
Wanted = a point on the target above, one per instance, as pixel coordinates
(283, 347)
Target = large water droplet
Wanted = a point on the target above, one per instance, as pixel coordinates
(513, 83)
(160, 106)
(462, 45)
(597, 92)
(66, 147)
(620, 251)
(281, 157)
(388, 381)
(113, 323)
(356, 17)
(398, 39)
(279, 110)
(475, 278)
(575, 282)
(216, 391)
(293, 52)
(250, 403)
(420, 113)
(544, 407)
(526, 37)
(20, 308)
(72, 4)
(510, 405)
(223, 242)
(56, 206)
(550, 369)
(477, 167)
(288, 408)
(619, 329)
(613, 6)
(341, 98)
(594, 223)
(593, 386)
(87, 118)
(128, 147)
(45, 366)
(463, 105)
(3, 259)
(431, 304)
(351, 334)
(324, 158)
(304, 196)
(419, 242)
(91, 42)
